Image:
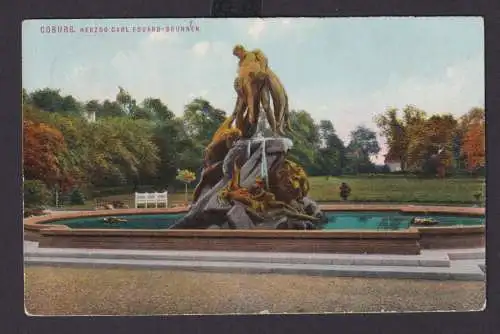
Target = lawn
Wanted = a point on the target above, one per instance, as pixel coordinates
(389, 189)
(399, 189)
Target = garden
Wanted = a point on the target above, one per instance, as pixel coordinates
(72, 162)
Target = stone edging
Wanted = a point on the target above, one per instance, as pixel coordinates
(38, 223)
(408, 241)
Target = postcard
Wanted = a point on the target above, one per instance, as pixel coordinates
(253, 166)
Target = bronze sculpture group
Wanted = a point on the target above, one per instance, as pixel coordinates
(255, 84)
(247, 181)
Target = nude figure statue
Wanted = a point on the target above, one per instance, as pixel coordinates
(257, 83)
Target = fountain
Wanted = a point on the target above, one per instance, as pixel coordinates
(247, 181)
(250, 190)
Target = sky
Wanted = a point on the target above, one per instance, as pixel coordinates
(346, 70)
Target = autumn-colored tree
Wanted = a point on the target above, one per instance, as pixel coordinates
(42, 149)
(419, 141)
(75, 158)
(415, 137)
(404, 135)
(475, 115)
(440, 133)
(473, 142)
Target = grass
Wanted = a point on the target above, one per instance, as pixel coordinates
(128, 199)
(389, 189)
(93, 291)
(399, 189)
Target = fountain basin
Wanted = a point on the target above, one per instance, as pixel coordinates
(382, 229)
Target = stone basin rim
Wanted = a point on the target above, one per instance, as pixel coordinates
(39, 223)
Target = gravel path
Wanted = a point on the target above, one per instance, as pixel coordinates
(66, 291)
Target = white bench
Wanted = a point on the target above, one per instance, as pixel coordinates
(151, 198)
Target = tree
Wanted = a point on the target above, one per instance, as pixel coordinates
(441, 132)
(474, 115)
(393, 129)
(51, 100)
(47, 99)
(421, 143)
(473, 146)
(125, 101)
(431, 138)
(111, 109)
(457, 149)
(157, 109)
(403, 135)
(365, 140)
(201, 120)
(111, 152)
(362, 146)
(71, 106)
(121, 150)
(35, 194)
(325, 131)
(331, 158)
(306, 140)
(75, 158)
(26, 98)
(43, 146)
(186, 176)
(93, 105)
(414, 139)
(176, 150)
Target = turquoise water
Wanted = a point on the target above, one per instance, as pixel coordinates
(147, 222)
(390, 220)
(336, 221)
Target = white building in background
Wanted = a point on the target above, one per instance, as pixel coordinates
(89, 115)
(393, 164)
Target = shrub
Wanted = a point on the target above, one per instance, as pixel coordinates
(29, 212)
(36, 194)
(384, 169)
(77, 197)
(113, 191)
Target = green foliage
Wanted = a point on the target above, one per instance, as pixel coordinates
(176, 150)
(26, 98)
(186, 176)
(51, 100)
(306, 141)
(157, 110)
(201, 121)
(426, 143)
(36, 194)
(134, 143)
(125, 101)
(364, 140)
(195, 131)
(77, 197)
(110, 109)
(332, 155)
